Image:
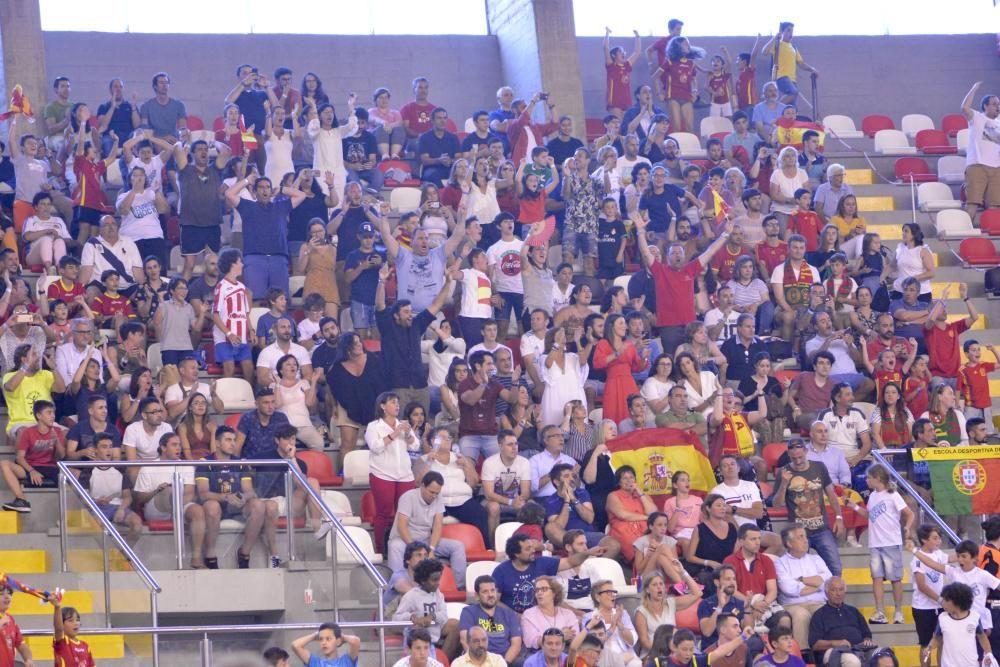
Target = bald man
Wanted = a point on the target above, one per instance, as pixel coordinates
(838, 631)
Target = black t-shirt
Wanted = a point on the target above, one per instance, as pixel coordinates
(199, 289)
(347, 233)
(358, 148)
(472, 142)
(323, 356)
(660, 207)
(610, 235)
(562, 150)
(83, 433)
(270, 482)
(805, 496)
(298, 219)
(251, 104)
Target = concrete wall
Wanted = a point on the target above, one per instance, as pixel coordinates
(464, 71)
(858, 75)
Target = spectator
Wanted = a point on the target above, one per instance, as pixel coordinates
(477, 654)
(703, 349)
(437, 148)
(44, 235)
(837, 630)
(884, 339)
(786, 181)
(804, 488)
(846, 355)
(523, 125)
(201, 218)
(639, 417)
(476, 144)
(756, 577)
(418, 643)
(819, 449)
(360, 154)
(26, 385)
(401, 580)
(81, 439)
(721, 322)
(267, 361)
(515, 577)
(295, 396)
(913, 260)
(679, 415)
(800, 580)
(39, 446)
(327, 138)
(164, 115)
(570, 508)
(109, 251)
(740, 138)
(460, 481)
(713, 539)
(478, 394)
(743, 497)
(621, 634)
(501, 625)
(658, 608)
(498, 120)
(767, 111)
(927, 583)
(741, 350)
(772, 251)
(506, 479)
(827, 198)
(982, 158)
(787, 61)
(941, 336)
(390, 133)
(675, 78)
(391, 474)
(656, 388)
(949, 422)
(725, 602)
(547, 612)
(564, 145)
(71, 354)
(911, 313)
(791, 282)
(330, 637)
(552, 653)
(177, 397)
(424, 605)
(847, 424)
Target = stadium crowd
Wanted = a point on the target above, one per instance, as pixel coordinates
(540, 298)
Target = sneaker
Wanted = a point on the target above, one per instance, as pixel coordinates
(323, 530)
(275, 563)
(897, 618)
(852, 542)
(878, 618)
(18, 505)
(242, 560)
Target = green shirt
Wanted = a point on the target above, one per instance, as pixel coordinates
(57, 112)
(670, 417)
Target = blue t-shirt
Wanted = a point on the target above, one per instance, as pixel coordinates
(339, 661)
(734, 607)
(766, 115)
(516, 588)
(265, 226)
(500, 628)
(501, 115)
(554, 505)
(661, 206)
(364, 286)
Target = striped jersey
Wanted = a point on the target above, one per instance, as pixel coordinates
(231, 305)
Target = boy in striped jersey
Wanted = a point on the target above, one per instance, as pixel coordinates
(232, 334)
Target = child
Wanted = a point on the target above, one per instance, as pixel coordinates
(682, 650)
(780, 642)
(231, 134)
(59, 320)
(610, 241)
(781, 136)
(277, 304)
(276, 657)
(884, 370)
(230, 315)
(720, 86)
(110, 491)
(68, 649)
(953, 637)
(927, 584)
(885, 509)
(111, 308)
(148, 160)
(38, 447)
(532, 518)
(361, 271)
(746, 82)
(314, 305)
(330, 637)
(804, 221)
(45, 234)
(842, 289)
(683, 509)
(916, 389)
(408, 223)
(973, 385)
(88, 197)
(10, 633)
(532, 194)
(425, 606)
(618, 68)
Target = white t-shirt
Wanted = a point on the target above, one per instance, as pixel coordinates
(981, 582)
(714, 316)
(482, 347)
(477, 288)
(106, 483)
(175, 392)
(984, 141)
(934, 579)
(844, 431)
(654, 389)
(625, 166)
(506, 480)
(560, 299)
(142, 220)
(145, 445)
(959, 638)
(883, 519)
(506, 254)
(125, 250)
(787, 187)
(269, 356)
(579, 584)
(153, 170)
(151, 477)
(307, 328)
(532, 344)
(34, 224)
(741, 496)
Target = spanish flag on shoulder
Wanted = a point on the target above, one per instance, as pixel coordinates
(790, 132)
(656, 454)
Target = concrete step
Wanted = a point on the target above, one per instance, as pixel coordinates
(24, 561)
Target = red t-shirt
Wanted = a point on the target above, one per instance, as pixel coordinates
(478, 419)
(531, 211)
(59, 290)
(418, 115)
(72, 653)
(808, 224)
(39, 448)
(10, 639)
(660, 47)
(109, 306)
(876, 346)
(619, 78)
(884, 377)
(755, 579)
(974, 386)
(451, 196)
(746, 88)
(942, 347)
(88, 190)
(771, 257)
(675, 287)
(724, 261)
(717, 83)
(678, 77)
(918, 405)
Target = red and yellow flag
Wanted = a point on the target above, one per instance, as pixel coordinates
(249, 140)
(720, 207)
(656, 454)
(790, 132)
(18, 104)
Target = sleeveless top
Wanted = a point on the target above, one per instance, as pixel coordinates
(711, 547)
(538, 289)
(667, 617)
(200, 446)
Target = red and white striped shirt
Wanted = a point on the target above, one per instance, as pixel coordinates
(231, 305)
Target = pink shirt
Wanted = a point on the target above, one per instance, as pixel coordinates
(382, 117)
(690, 511)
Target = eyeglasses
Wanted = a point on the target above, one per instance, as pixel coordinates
(553, 632)
(153, 412)
(608, 590)
(542, 589)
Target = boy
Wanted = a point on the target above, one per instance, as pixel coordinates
(781, 651)
(10, 634)
(418, 643)
(973, 385)
(610, 242)
(67, 648)
(277, 304)
(67, 288)
(746, 81)
(884, 370)
(110, 491)
(230, 315)
(110, 307)
(330, 637)
(38, 447)
(803, 221)
(309, 326)
(276, 657)
(361, 269)
(953, 637)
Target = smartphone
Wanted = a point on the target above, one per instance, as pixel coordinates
(435, 204)
(317, 173)
(543, 96)
(24, 319)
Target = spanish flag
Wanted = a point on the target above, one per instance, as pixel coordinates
(790, 132)
(720, 207)
(249, 140)
(18, 104)
(656, 454)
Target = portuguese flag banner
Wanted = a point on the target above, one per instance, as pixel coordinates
(965, 480)
(656, 454)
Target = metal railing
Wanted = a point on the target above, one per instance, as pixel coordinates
(292, 474)
(903, 483)
(207, 631)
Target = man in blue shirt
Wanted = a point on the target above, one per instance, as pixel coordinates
(256, 429)
(502, 115)
(553, 642)
(569, 508)
(502, 626)
(437, 149)
(724, 602)
(515, 577)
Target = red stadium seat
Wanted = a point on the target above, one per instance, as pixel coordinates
(438, 653)
(368, 507)
(989, 221)
(320, 467)
(233, 420)
(595, 128)
(452, 127)
(448, 588)
(688, 619)
(409, 182)
(300, 523)
(475, 548)
(218, 123)
(978, 252)
(766, 489)
(915, 168)
(372, 345)
(772, 452)
(934, 142)
(952, 123)
(782, 375)
(721, 136)
(160, 525)
(872, 124)
(195, 123)
(515, 349)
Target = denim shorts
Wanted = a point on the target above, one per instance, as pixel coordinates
(362, 315)
(227, 352)
(786, 86)
(579, 243)
(886, 563)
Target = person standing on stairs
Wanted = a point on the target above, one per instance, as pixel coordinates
(982, 157)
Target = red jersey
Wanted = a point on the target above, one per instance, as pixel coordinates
(718, 84)
(234, 141)
(918, 405)
(418, 115)
(876, 346)
(754, 579)
(724, 261)
(234, 311)
(72, 653)
(771, 256)
(973, 385)
(660, 47)
(942, 348)
(60, 290)
(619, 78)
(678, 78)
(884, 377)
(734, 437)
(106, 305)
(808, 224)
(676, 287)
(39, 448)
(10, 639)
(88, 192)
(531, 211)
(746, 88)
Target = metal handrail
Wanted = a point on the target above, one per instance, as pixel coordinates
(879, 456)
(217, 629)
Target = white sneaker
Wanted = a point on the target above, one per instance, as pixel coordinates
(852, 542)
(275, 563)
(878, 618)
(897, 617)
(323, 530)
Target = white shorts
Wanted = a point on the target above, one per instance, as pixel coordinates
(721, 109)
(684, 533)
(151, 511)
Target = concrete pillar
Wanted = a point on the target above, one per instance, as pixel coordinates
(23, 53)
(538, 51)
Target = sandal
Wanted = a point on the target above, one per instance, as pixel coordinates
(242, 560)
(212, 563)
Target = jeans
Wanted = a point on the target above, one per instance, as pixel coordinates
(825, 544)
(435, 174)
(474, 445)
(263, 272)
(453, 550)
(671, 338)
(765, 318)
(373, 177)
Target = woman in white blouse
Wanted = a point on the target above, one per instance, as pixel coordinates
(390, 472)
(46, 233)
(481, 196)
(656, 388)
(460, 480)
(328, 147)
(785, 180)
(701, 386)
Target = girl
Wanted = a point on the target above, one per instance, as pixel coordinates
(871, 268)
(562, 374)
(763, 386)
(674, 80)
(89, 381)
(197, 430)
(141, 386)
(762, 168)
(312, 91)
(327, 139)
(701, 386)
(435, 218)
(917, 387)
(457, 184)
(913, 260)
(278, 143)
(176, 321)
(414, 414)
(849, 224)
(829, 245)
(390, 135)
(68, 648)
(317, 260)
(841, 289)
(457, 374)
(88, 196)
(507, 189)
(948, 420)
(683, 509)
(892, 423)
(139, 206)
(532, 193)
(618, 68)
(656, 388)
(638, 185)
(523, 417)
(927, 585)
(750, 294)
(314, 206)
(152, 291)
(59, 320)
(883, 370)
(598, 475)
(481, 196)
(885, 509)
(720, 85)
(615, 301)
(45, 234)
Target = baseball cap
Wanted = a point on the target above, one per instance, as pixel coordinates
(366, 229)
(796, 443)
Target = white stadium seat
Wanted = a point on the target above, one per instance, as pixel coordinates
(914, 122)
(842, 127)
(892, 142)
(712, 124)
(612, 570)
(954, 223)
(404, 199)
(936, 197)
(689, 144)
(356, 467)
(501, 535)
(951, 169)
(340, 505)
(475, 570)
(962, 140)
(361, 538)
(235, 393)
